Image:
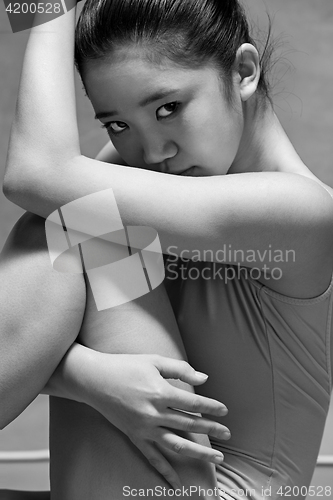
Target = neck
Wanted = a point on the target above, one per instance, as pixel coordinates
(265, 147)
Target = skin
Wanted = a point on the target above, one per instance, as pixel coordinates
(252, 203)
(162, 136)
(173, 133)
(246, 140)
(204, 132)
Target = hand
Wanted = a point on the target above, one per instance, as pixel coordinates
(141, 403)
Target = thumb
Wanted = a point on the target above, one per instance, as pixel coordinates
(178, 369)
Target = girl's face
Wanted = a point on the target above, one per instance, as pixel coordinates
(163, 117)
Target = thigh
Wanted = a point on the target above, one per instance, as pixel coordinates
(90, 457)
(40, 315)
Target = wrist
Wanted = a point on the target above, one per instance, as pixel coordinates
(80, 366)
(74, 375)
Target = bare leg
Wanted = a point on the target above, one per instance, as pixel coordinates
(91, 459)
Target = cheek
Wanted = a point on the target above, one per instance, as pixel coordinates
(216, 140)
(228, 132)
(213, 131)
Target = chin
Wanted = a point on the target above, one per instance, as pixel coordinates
(192, 172)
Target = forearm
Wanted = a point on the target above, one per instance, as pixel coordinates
(44, 129)
(44, 168)
(69, 380)
(143, 326)
(120, 381)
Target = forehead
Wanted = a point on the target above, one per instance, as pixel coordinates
(129, 76)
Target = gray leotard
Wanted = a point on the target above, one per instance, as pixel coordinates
(268, 360)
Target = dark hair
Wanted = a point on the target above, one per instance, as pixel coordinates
(188, 32)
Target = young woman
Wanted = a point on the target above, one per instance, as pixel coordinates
(177, 84)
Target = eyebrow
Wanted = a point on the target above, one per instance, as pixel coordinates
(160, 94)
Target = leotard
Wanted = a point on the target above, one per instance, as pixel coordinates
(268, 359)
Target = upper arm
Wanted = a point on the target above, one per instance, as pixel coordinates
(277, 213)
(283, 226)
(253, 214)
(40, 315)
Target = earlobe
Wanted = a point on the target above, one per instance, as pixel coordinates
(248, 69)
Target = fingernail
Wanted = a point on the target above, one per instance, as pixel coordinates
(201, 375)
(226, 435)
(218, 459)
(223, 411)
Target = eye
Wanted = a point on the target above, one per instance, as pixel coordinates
(167, 110)
(115, 127)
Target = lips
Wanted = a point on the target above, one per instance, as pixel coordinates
(188, 171)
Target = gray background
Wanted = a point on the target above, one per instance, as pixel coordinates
(303, 95)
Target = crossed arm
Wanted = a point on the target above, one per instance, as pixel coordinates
(42, 313)
(252, 211)
(46, 170)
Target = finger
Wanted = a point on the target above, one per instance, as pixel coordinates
(185, 447)
(191, 423)
(178, 369)
(160, 463)
(190, 402)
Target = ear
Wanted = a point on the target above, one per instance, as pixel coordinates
(248, 70)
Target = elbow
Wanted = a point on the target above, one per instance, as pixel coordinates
(11, 190)
(27, 169)
(6, 183)
(20, 186)
(8, 189)
(24, 170)
(13, 181)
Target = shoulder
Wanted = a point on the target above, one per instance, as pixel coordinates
(314, 201)
(308, 274)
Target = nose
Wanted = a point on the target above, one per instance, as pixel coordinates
(157, 149)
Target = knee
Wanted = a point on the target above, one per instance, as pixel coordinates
(29, 280)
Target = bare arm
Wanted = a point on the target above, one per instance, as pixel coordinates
(46, 170)
(41, 315)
